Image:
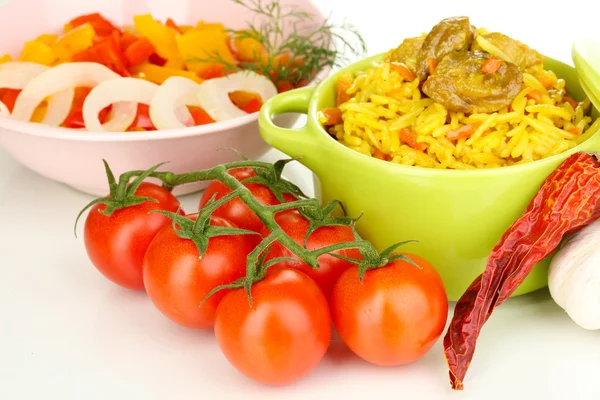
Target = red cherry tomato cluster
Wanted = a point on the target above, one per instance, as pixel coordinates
(286, 330)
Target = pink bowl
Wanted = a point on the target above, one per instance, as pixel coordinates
(75, 157)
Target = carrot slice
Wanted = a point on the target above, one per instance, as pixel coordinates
(407, 136)
(330, 116)
(574, 131)
(536, 95)
(213, 71)
(547, 81)
(464, 131)
(432, 64)
(569, 100)
(492, 65)
(404, 71)
(381, 155)
(344, 82)
(139, 51)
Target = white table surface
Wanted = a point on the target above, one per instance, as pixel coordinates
(68, 333)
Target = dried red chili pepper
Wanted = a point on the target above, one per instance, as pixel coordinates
(568, 200)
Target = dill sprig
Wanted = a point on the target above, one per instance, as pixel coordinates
(295, 48)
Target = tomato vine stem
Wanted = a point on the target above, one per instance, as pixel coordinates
(269, 174)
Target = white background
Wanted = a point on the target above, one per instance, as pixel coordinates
(66, 332)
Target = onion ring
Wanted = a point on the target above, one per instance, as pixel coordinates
(167, 109)
(16, 75)
(213, 94)
(124, 94)
(62, 77)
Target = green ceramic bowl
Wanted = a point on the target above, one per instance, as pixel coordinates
(456, 216)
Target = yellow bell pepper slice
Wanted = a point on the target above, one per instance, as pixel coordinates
(40, 112)
(204, 44)
(186, 28)
(158, 74)
(74, 41)
(210, 26)
(37, 52)
(174, 63)
(162, 37)
(5, 58)
(47, 38)
(250, 49)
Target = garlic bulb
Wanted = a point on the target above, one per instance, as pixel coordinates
(574, 277)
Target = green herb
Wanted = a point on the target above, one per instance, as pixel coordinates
(295, 48)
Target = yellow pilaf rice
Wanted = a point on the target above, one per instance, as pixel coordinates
(382, 103)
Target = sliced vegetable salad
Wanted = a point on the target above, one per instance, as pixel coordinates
(151, 74)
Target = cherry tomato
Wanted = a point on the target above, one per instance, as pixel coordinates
(283, 336)
(330, 267)
(177, 280)
(395, 315)
(236, 210)
(116, 244)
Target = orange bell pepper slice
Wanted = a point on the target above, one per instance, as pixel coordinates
(139, 51)
(200, 116)
(75, 118)
(253, 106)
(101, 25)
(158, 74)
(171, 24)
(127, 39)
(107, 52)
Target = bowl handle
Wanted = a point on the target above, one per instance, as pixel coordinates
(295, 142)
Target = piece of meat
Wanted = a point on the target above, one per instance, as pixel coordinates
(459, 84)
(449, 35)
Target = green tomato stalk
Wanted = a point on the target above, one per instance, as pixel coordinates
(199, 231)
